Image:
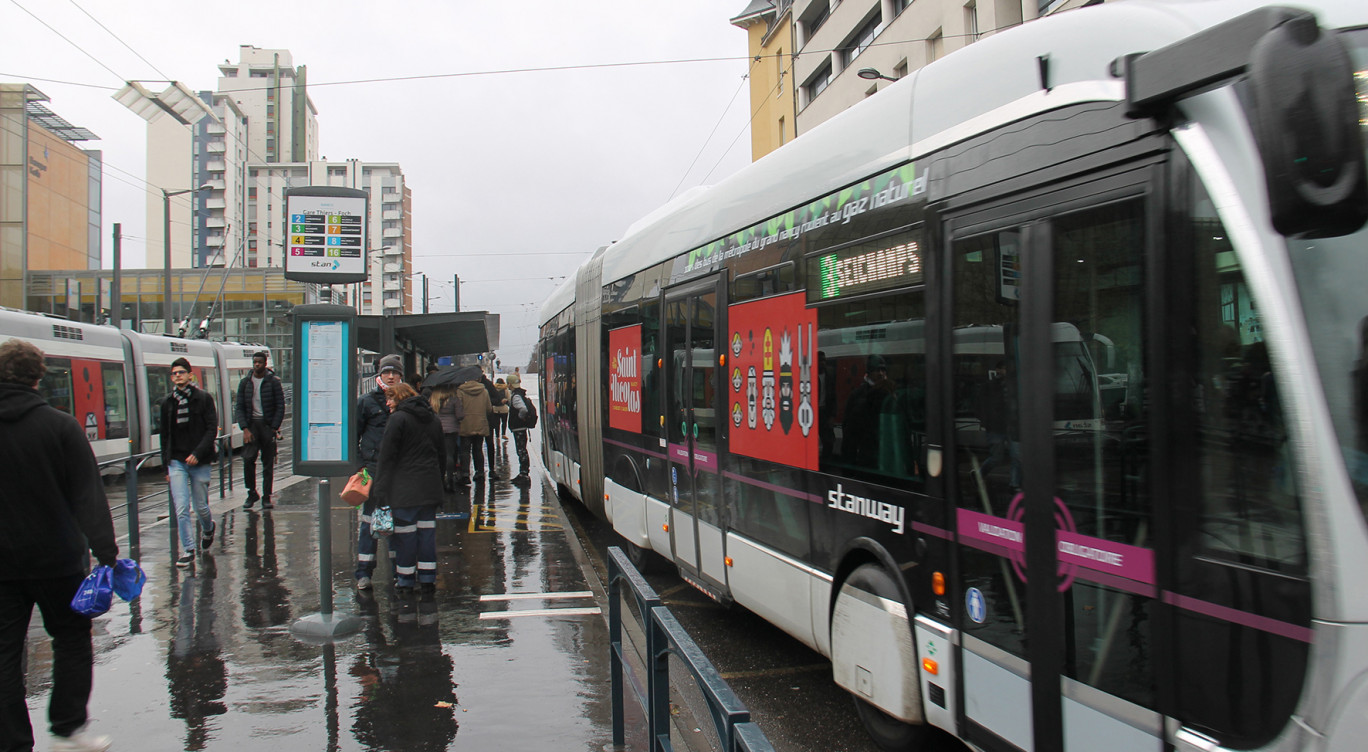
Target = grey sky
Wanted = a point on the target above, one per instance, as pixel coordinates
(502, 160)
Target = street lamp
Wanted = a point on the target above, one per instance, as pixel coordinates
(873, 74)
(166, 247)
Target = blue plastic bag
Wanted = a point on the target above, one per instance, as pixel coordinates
(128, 579)
(95, 593)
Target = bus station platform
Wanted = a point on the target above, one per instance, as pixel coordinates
(510, 652)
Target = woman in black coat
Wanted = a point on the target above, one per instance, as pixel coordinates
(408, 480)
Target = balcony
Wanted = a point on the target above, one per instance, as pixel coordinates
(214, 241)
(394, 286)
(216, 184)
(216, 147)
(393, 232)
(215, 203)
(394, 214)
(394, 250)
(393, 268)
(216, 166)
(393, 303)
(216, 222)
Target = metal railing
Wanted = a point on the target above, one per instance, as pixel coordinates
(665, 637)
(132, 501)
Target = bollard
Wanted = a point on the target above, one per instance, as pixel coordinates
(325, 591)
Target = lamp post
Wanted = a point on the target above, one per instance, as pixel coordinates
(873, 74)
(166, 247)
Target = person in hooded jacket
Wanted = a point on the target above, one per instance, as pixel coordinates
(409, 482)
(517, 422)
(475, 409)
(56, 515)
(372, 416)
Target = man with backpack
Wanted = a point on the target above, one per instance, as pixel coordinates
(521, 417)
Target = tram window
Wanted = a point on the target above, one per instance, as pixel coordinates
(115, 400)
(766, 282)
(55, 386)
(1100, 435)
(650, 375)
(871, 386)
(158, 388)
(210, 384)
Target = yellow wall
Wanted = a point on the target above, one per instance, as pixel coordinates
(771, 86)
(58, 196)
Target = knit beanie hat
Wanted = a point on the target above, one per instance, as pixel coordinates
(391, 363)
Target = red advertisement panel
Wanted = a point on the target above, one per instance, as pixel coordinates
(772, 377)
(624, 378)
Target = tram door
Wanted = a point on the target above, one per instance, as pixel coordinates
(691, 336)
(1053, 516)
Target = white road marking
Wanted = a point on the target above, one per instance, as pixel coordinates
(540, 612)
(536, 596)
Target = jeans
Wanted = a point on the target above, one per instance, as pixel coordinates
(451, 447)
(520, 445)
(414, 544)
(190, 483)
(72, 658)
(474, 445)
(264, 443)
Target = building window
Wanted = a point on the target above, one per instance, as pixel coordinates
(935, 46)
(861, 41)
(971, 31)
(270, 110)
(900, 70)
(900, 5)
(820, 13)
(261, 74)
(818, 83)
(781, 131)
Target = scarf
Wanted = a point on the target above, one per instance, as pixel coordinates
(182, 404)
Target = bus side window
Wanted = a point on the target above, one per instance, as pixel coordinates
(158, 388)
(115, 401)
(55, 386)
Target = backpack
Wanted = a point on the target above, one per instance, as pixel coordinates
(531, 420)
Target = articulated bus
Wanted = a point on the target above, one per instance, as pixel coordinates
(1032, 390)
(111, 380)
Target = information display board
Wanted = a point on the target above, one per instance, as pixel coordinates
(324, 390)
(326, 235)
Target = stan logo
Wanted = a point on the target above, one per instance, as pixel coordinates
(875, 510)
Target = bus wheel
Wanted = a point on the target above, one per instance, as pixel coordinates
(888, 732)
(640, 557)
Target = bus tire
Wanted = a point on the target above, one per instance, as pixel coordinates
(888, 732)
(641, 558)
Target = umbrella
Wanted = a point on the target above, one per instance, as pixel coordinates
(453, 376)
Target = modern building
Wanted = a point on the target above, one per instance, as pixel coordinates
(50, 192)
(389, 290)
(274, 97)
(830, 41)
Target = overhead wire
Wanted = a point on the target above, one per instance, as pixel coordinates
(120, 41)
(83, 50)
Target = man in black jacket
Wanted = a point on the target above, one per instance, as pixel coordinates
(372, 415)
(189, 427)
(260, 411)
(55, 510)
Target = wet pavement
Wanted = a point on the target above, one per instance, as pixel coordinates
(509, 653)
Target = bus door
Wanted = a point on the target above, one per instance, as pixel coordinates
(1057, 588)
(693, 400)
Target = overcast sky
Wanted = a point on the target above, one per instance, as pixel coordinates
(539, 130)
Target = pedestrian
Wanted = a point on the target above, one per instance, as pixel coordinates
(475, 409)
(519, 412)
(56, 516)
(494, 400)
(260, 411)
(189, 423)
(372, 415)
(448, 408)
(409, 482)
(500, 409)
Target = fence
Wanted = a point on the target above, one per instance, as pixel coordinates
(665, 637)
(134, 462)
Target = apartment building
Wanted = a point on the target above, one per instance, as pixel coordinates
(389, 288)
(833, 40)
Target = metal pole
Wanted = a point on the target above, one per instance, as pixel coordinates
(116, 289)
(325, 591)
(425, 294)
(131, 498)
(166, 249)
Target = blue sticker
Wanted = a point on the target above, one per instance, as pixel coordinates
(975, 605)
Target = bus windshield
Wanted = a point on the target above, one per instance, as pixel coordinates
(1332, 279)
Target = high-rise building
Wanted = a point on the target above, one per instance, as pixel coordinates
(50, 192)
(389, 288)
(274, 97)
(830, 41)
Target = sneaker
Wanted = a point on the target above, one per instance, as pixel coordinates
(208, 539)
(252, 498)
(266, 502)
(186, 559)
(81, 741)
(363, 583)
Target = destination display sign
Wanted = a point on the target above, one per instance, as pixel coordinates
(326, 235)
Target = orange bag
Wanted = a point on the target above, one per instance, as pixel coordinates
(357, 489)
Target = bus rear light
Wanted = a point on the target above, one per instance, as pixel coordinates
(727, 560)
(931, 666)
(665, 527)
(722, 360)
(938, 583)
(605, 497)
